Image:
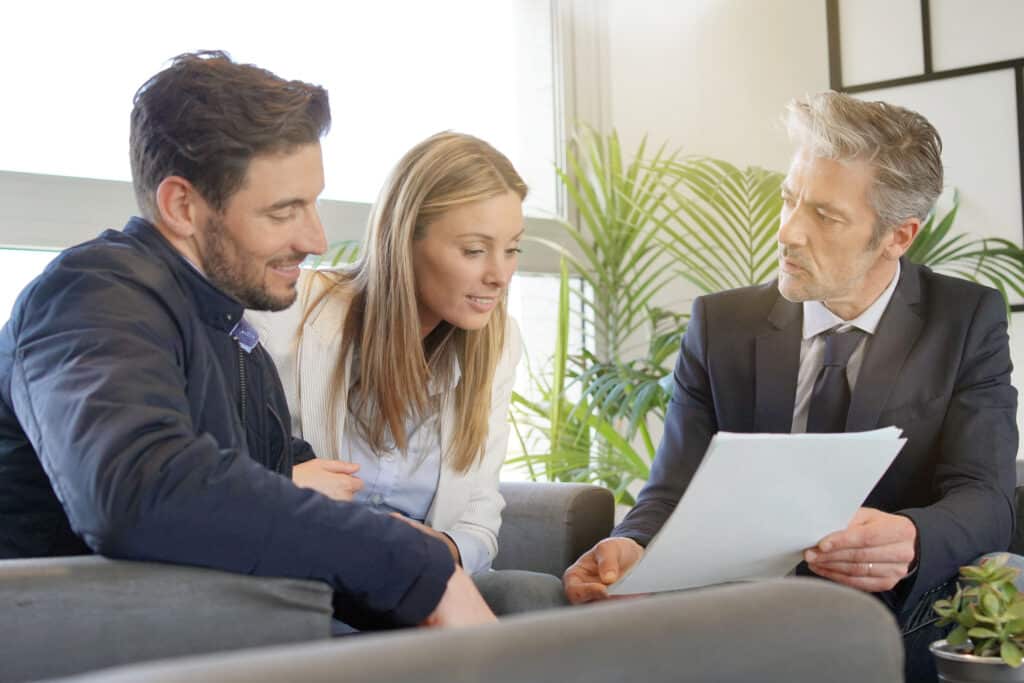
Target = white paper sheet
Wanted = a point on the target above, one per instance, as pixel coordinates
(756, 502)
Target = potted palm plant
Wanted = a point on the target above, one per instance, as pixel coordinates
(987, 643)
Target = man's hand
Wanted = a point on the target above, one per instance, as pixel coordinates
(461, 604)
(589, 577)
(872, 554)
(429, 531)
(333, 478)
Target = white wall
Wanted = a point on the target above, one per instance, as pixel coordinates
(713, 76)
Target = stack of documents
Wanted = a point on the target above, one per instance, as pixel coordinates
(756, 502)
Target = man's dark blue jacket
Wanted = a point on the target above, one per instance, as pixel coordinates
(133, 425)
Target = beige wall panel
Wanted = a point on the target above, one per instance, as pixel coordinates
(977, 119)
(880, 40)
(971, 32)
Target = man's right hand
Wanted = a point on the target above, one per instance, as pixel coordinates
(461, 604)
(333, 478)
(589, 577)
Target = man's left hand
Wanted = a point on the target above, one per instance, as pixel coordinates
(872, 554)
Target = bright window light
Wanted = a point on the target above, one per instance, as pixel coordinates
(18, 267)
(396, 70)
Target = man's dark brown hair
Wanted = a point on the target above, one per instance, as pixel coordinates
(205, 117)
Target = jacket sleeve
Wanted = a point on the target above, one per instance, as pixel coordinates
(301, 451)
(476, 531)
(976, 475)
(689, 425)
(99, 384)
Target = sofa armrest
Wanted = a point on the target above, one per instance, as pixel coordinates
(546, 526)
(70, 614)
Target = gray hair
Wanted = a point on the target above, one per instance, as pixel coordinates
(901, 145)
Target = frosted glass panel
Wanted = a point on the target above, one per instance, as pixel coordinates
(880, 40)
(971, 32)
(977, 119)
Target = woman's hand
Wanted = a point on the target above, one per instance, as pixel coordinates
(333, 478)
(439, 535)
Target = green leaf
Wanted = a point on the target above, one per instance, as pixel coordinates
(991, 604)
(982, 632)
(958, 636)
(1016, 610)
(1011, 654)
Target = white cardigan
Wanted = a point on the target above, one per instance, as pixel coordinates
(467, 502)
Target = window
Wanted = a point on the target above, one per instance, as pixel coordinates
(18, 267)
(397, 71)
(533, 302)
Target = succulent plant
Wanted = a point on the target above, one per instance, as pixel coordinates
(988, 612)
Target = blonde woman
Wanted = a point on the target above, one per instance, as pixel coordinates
(399, 368)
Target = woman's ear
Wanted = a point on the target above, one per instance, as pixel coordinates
(179, 207)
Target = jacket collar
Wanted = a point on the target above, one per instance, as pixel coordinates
(215, 308)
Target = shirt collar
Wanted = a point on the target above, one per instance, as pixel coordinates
(818, 319)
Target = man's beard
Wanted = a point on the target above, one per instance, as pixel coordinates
(228, 269)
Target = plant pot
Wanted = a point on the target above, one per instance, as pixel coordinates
(957, 667)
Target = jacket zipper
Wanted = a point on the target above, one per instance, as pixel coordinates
(244, 389)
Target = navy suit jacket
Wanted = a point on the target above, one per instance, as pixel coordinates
(938, 366)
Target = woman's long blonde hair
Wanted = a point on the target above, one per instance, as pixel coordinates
(395, 365)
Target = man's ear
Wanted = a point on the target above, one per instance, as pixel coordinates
(902, 237)
(179, 207)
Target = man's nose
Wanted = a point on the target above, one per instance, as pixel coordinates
(791, 231)
(311, 238)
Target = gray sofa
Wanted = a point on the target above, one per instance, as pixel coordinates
(100, 620)
(787, 630)
(62, 616)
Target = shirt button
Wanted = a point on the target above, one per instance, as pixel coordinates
(376, 499)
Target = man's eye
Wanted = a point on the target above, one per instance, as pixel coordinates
(472, 252)
(514, 251)
(282, 215)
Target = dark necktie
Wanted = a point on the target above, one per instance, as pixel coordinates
(830, 398)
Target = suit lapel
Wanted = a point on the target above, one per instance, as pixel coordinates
(897, 333)
(777, 362)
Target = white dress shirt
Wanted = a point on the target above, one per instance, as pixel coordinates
(394, 481)
(818, 319)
